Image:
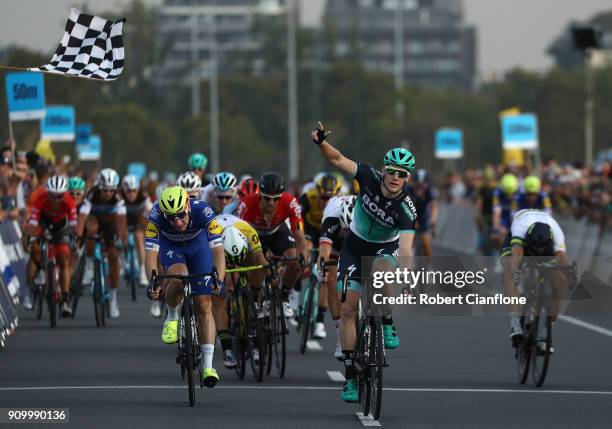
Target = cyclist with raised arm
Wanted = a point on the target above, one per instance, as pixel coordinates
(533, 233)
(382, 227)
(137, 207)
(184, 234)
(313, 204)
(221, 192)
(54, 210)
(268, 212)
(103, 212)
(335, 227)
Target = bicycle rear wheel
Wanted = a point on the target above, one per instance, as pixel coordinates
(523, 352)
(306, 316)
(98, 296)
(376, 365)
(540, 358)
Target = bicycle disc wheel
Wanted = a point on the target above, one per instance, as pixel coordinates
(188, 351)
(541, 358)
(254, 339)
(523, 352)
(52, 305)
(376, 366)
(305, 322)
(279, 344)
(98, 298)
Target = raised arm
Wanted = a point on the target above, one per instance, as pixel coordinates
(331, 154)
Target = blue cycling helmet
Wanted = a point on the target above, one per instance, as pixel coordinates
(225, 181)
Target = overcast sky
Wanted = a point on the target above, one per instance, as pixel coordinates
(510, 32)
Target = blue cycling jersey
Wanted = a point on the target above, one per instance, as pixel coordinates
(201, 220)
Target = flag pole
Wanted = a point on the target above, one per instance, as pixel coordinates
(52, 73)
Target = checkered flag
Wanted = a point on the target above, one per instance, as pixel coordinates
(92, 47)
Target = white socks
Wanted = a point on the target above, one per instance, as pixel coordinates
(208, 350)
(172, 312)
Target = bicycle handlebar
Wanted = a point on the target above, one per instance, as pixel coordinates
(186, 277)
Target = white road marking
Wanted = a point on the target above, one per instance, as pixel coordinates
(586, 325)
(388, 389)
(336, 376)
(313, 345)
(368, 420)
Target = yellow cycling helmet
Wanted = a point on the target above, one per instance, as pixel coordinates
(328, 185)
(509, 183)
(173, 200)
(532, 184)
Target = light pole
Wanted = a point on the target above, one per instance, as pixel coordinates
(292, 89)
(398, 40)
(214, 96)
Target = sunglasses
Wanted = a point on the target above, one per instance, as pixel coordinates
(108, 191)
(270, 198)
(402, 174)
(132, 191)
(176, 217)
(325, 197)
(224, 197)
(77, 194)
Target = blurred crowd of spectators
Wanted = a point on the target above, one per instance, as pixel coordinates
(574, 190)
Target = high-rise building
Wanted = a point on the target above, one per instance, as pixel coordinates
(422, 42)
(194, 32)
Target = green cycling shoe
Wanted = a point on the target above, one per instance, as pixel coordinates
(170, 332)
(390, 336)
(350, 392)
(210, 377)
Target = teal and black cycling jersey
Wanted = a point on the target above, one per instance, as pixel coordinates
(378, 219)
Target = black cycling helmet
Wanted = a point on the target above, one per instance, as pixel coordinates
(271, 184)
(539, 240)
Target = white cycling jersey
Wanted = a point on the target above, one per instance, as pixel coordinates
(527, 217)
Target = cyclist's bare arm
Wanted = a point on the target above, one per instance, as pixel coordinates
(219, 259)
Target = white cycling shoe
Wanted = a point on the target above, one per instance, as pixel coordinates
(319, 331)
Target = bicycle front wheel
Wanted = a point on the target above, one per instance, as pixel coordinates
(279, 329)
(255, 339)
(236, 329)
(98, 295)
(305, 317)
(541, 345)
(362, 367)
(376, 365)
(187, 351)
(76, 285)
(523, 352)
(51, 301)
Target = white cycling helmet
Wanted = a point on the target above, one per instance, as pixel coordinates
(190, 181)
(57, 184)
(235, 244)
(131, 183)
(346, 210)
(108, 179)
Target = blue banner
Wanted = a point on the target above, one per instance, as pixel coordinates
(138, 169)
(449, 143)
(25, 95)
(520, 131)
(90, 151)
(58, 125)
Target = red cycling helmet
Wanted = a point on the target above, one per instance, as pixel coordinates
(248, 187)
